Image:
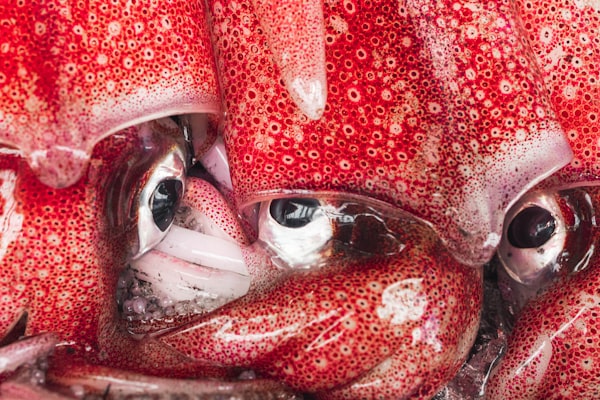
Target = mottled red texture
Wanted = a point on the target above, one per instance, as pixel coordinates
(565, 38)
(72, 73)
(553, 351)
(446, 109)
(405, 323)
(436, 107)
(204, 197)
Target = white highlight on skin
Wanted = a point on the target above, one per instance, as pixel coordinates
(554, 56)
(581, 4)
(403, 301)
(26, 350)
(329, 335)
(81, 124)
(310, 95)
(11, 221)
(428, 334)
(298, 47)
(483, 209)
(229, 330)
(215, 162)
(539, 360)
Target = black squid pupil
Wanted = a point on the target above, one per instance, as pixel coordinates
(294, 212)
(531, 228)
(164, 202)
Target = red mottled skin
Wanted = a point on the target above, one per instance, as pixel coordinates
(435, 107)
(317, 331)
(73, 73)
(62, 257)
(448, 110)
(553, 350)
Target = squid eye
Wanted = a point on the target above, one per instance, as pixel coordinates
(160, 181)
(294, 213)
(531, 227)
(534, 239)
(296, 230)
(164, 202)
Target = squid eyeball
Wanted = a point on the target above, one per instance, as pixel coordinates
(303, 232)
(296, 229)
(161, 186)
(159, 200)
(534, 237)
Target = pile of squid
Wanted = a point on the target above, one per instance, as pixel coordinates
(332, 199)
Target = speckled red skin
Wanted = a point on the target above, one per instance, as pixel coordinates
(553, 350)
(413, 140)
(72, 73)
(333, 332)
(62, 265)
(437, 108)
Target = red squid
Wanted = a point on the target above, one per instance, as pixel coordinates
(549, 245)
(374, 150)
(437, 109)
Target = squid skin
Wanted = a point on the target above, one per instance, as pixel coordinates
(437, 108)
(552, 350)
(79, 81)
(434, 107)
(26, 351)
(65, 257)
(338, 331)
(74, 73)
(447, 110)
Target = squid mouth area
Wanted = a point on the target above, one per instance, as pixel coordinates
(195, 269)
(147, 309)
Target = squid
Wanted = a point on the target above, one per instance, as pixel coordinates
(297, 197)
(551, 281)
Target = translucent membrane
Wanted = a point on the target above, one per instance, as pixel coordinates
(334, 226)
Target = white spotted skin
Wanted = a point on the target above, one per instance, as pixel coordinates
(335, 331)
(552, 352)
(435, 107)
(81, 72)
(449, 110)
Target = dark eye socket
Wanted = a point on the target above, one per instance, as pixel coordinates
(164, 202)
(295, 212)
(532, 227)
